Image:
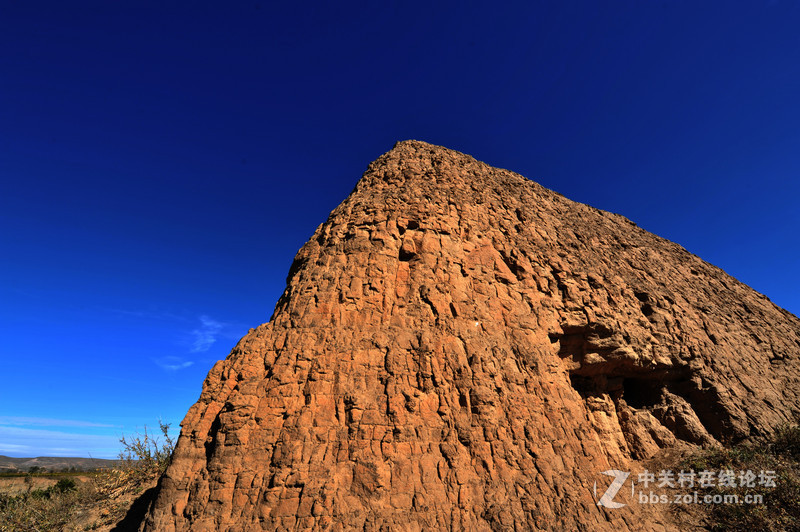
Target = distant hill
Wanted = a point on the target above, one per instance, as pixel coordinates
(53, 463)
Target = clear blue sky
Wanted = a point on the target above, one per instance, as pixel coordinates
(161, 163)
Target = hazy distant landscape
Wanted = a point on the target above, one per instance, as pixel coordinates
(9, 464)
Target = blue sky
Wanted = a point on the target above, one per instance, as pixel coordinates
(161, 163)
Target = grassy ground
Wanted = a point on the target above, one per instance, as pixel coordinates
(87, 502)
(780, 509)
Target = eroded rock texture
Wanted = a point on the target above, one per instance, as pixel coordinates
(460, 348)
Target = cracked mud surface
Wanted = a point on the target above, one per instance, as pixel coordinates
(460, 348)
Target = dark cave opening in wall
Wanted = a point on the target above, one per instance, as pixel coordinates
(642, 393)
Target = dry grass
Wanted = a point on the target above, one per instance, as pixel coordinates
(52, 508)
(780, 510)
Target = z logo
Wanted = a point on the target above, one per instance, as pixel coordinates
(607, 499)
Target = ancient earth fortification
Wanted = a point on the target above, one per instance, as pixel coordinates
(460, 348)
